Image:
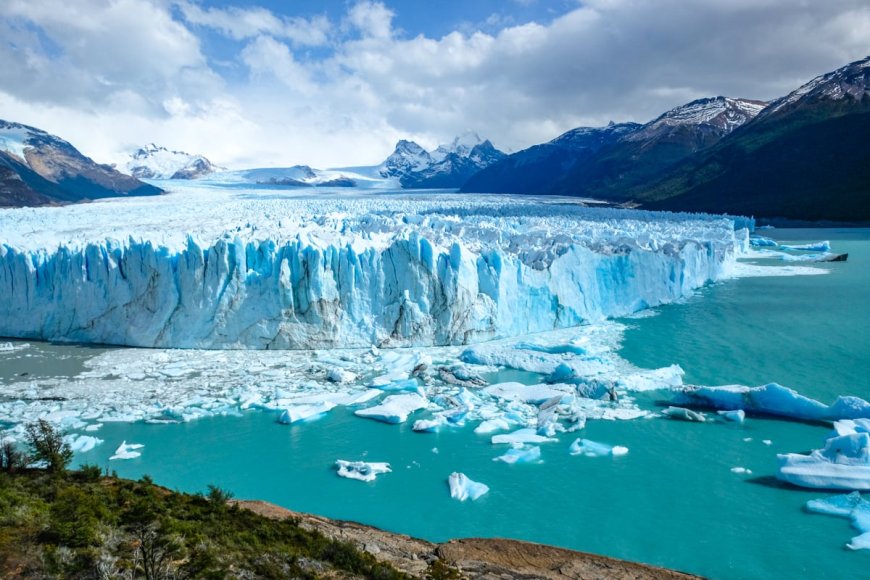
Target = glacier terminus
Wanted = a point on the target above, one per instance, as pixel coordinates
(190, 270)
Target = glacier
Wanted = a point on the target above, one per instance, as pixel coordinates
(338, 272)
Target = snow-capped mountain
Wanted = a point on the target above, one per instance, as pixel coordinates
(602, 161)
(153, 162)
(447, 166)
(851, 82)
(37, 168)
(806, 156)
(716, 115)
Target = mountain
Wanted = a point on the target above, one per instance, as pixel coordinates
(602, 162)
(806, 156)
(537, 169)
(448, 166)
(37, 168)
(153, 162)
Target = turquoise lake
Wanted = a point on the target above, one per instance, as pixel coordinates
(671, 501)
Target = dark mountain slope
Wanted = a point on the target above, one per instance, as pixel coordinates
(37, 168)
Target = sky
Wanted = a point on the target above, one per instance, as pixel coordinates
(260, 83)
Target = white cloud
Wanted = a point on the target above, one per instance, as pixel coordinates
(243, 23)
(267, 56)
(110, 74)
(371, 19)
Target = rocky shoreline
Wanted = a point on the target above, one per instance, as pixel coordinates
(472, 558)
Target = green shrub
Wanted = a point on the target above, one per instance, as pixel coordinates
(47, 445)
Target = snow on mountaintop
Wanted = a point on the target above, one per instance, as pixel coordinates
(407, 157)
(153, 162)
(14, 137)
(723, 113)
(461, 146)
(852, 80)
(581, 136)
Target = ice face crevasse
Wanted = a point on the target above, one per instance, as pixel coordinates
(406, 281)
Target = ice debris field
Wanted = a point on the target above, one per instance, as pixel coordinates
(229, 288)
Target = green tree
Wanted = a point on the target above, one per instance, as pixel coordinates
(47, 445)
(11, 458)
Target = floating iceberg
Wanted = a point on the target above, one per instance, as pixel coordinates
(824, 246)
(521, 436)
(127, 451)
(463, 488)
(492, 425)
(682, 414)
(762, 242)
(82, 443)
(851, 506)
(772, 399)
(198, 271)
(843, 463)
(361, 470)
(395, 408)
(595, 449)
(738, 416)
(305, 412)
(534, 394)
(521, 455)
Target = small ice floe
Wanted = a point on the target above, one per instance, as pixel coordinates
(395, 408)
(521, 455)
(772, 399)
(127, 451)
(534, 394)
(843, 463)
(340, 376)
(94, 427)
(747, 439)
(595, 449)
(737, 416)
(435, 450)
(823, 246)
(11, 347)
(463, 488)
(852, 507)
(296, 413)
(400, 386)
(429, 425)
(762, 242)
(683, 414)
(82, 443)
(521, 436)
(492, 425)
(741, 470)
(767, 441)
(361, 470)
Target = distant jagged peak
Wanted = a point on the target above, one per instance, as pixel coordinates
(850, 81)
(461, 145)
(156, 162)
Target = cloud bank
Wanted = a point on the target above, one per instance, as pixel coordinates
(249, 87)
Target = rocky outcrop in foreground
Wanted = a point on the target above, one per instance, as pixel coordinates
(473, 558)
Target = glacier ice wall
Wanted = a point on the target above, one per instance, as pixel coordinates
(432, 275)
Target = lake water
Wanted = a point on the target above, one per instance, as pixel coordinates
(671, 501)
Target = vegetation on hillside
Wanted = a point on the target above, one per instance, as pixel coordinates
(56, 523)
